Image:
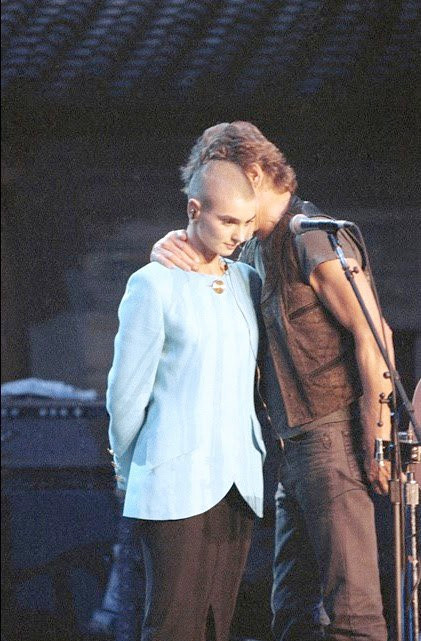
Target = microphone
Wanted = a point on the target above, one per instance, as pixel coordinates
(299, 224)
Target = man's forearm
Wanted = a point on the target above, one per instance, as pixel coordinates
(376, 386)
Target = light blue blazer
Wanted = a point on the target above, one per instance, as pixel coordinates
(183, 427)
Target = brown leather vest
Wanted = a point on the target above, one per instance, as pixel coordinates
(312, 353)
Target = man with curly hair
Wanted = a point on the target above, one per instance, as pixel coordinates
(322, 376)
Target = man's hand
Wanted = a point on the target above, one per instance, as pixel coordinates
(378, 475)
(174, 251)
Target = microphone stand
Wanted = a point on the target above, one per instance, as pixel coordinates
(395, 484)
(412, 501)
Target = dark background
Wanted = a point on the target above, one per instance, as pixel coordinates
(101, 102)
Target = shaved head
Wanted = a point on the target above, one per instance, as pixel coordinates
(219, 176)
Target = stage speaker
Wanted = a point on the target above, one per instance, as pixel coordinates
(59, 519)
(47, 433)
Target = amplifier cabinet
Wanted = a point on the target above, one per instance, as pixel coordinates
(53, 433)
(60, 515)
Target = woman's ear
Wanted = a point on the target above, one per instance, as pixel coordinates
(255, 174)
(193, 208)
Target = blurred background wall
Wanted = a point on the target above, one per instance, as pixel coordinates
(101, 103)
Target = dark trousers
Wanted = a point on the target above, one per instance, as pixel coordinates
(193, 571)
(326, 579)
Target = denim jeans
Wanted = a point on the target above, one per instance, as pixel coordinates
(326, 578)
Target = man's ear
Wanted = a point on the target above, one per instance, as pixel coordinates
(255, 174)
(193, 209)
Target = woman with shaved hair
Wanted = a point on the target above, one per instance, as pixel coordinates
(187, 445)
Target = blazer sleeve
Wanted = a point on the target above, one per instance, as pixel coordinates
(137, 350)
